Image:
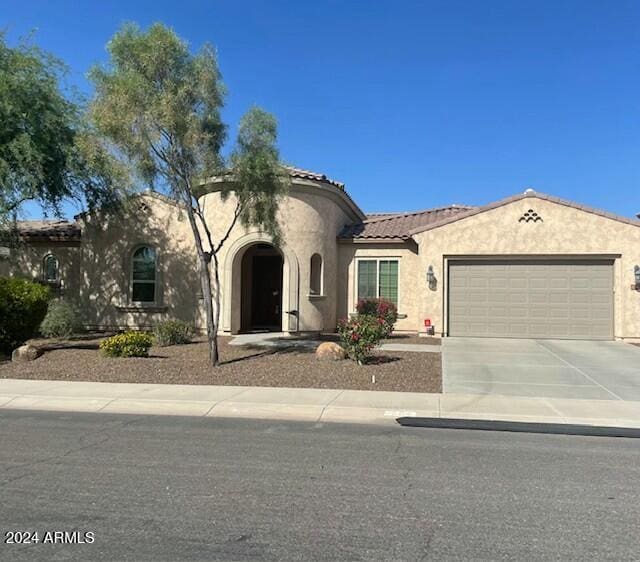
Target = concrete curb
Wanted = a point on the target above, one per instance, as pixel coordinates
(301, 404)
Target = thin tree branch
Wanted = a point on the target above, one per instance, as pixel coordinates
(14, 206)
(236, 216)
(200, 215)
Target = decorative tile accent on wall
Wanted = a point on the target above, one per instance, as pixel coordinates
(530, 216)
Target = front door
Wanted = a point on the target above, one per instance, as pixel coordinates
(266, 297)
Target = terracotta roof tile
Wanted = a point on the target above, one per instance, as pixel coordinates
(309, 175)
(48, 230)
(383, 226)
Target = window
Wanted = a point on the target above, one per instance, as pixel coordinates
(315, 281)
(50, 269)
(143, 275)
(378, 279)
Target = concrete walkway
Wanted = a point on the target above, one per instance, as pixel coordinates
(281, 340)
(315, 405)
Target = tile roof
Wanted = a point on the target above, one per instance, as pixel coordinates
(528, 193)
(398, 226)
(294, 172)
(309, 175)
(48, 230)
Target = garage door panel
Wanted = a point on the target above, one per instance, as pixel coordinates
(558, 283)
(518, 283)
(533, 298)
(602, 299)
(600, 283)
(581, 297)
(478, 311)
(517, 297)
(498, 282)
(582, 314)
(538, 283)
(559, 297)
(538, 297)
(580, 283)
(539, 313)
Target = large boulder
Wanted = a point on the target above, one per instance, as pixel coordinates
(26, 353)
(330, 351)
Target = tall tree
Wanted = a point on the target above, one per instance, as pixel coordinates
(47, 151)
(160, 105)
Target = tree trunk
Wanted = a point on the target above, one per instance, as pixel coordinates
(205, 285)
(210, 317)
(216, 297)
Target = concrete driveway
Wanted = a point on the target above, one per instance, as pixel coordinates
(600, 370)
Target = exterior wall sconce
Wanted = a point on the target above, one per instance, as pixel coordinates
(636, 274)
(431, 278)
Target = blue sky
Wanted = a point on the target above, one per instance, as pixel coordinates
(412, 104)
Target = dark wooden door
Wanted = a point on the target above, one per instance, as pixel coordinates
(266, 297)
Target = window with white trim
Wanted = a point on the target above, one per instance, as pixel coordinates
(143, 275)
(50, 269)
(378, 278)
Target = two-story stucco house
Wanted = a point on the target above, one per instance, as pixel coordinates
(527, 266)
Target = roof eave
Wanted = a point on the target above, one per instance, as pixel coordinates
(520, 197)
(355, 240)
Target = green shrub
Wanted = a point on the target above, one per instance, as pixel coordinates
(23, 306)
(61, 320)
(380, 308)
(360, 334)
(173, 332)
(129, 344)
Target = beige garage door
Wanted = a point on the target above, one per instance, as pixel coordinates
(570, 299)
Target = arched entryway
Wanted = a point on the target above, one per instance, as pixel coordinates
(232, 287)
(261, 289)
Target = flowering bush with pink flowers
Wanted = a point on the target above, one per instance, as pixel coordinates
(363, 331)
(360, 334)
(382, 309)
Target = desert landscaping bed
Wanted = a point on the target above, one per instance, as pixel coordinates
(243, 366)
(408, 338)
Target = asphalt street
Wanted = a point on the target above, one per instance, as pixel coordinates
(174, 488)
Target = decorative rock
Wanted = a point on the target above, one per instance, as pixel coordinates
(330, 351)
(26, 353)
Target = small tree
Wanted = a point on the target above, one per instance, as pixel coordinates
(47, 151)
(160, 105)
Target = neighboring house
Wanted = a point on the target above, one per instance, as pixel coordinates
(527, 266)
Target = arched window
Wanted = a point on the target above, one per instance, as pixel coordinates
(315, 282)
(143, 275)
(50, 272)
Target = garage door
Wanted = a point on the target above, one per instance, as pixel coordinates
(570, 299)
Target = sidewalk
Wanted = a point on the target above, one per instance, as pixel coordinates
(315, 405)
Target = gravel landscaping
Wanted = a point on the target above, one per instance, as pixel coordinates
(409, 338)
(412, 339)
(187, 364)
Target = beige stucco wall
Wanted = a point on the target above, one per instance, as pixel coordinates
(108, 242)
(26, 260)
(408, 277)
(564, 231)
(95, 274)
